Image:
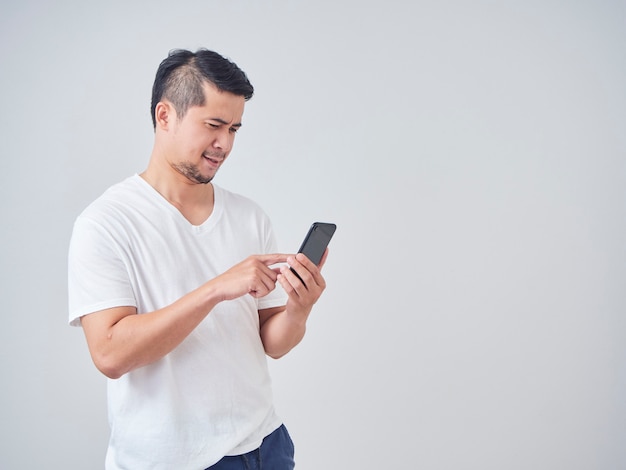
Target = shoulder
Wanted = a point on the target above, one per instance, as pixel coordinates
(236, 201)
(115, 200)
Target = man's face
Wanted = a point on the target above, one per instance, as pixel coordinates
(204, 137)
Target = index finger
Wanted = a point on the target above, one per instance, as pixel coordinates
(272, 258)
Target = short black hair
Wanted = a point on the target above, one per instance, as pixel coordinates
(181, 75)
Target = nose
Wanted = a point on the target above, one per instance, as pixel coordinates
(224, 140)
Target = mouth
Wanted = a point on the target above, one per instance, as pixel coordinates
(215, 159)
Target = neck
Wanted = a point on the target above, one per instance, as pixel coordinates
(194, 200)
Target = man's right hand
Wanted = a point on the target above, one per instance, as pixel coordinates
(253, 276)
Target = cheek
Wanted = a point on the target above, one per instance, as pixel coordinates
(196, 140)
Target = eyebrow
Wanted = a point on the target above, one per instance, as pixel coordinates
(221, 121)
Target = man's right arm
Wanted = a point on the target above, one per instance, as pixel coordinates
(119, 340)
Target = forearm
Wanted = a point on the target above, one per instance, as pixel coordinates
(282, 332)
(134, 341)
(120, 341)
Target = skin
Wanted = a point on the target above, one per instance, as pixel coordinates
(186, 155)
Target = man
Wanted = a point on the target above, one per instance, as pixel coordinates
(173, 281)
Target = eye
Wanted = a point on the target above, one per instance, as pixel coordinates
(233, 130)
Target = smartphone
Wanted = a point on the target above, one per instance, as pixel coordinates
(315, 243)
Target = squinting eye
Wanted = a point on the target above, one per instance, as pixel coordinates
(234, 129)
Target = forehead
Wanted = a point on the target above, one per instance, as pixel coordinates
(219, 104)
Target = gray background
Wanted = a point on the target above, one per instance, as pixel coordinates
(472, 155)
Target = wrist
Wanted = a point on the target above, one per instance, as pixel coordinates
(297, 317)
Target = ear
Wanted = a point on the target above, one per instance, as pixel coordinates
(164, 114)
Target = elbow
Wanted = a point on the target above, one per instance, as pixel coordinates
(278, 352)
(275, 350)
(276, 355)
(111, 373)
(108, 367)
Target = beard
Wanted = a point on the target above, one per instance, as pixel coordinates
(191, 172)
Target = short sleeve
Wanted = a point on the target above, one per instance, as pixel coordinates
(97, 274)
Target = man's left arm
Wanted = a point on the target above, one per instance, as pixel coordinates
(282, 328)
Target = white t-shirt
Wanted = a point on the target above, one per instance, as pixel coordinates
(211, 396)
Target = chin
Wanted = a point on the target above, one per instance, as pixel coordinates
(203, 180)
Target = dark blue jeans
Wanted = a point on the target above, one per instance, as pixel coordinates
(276, 453)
